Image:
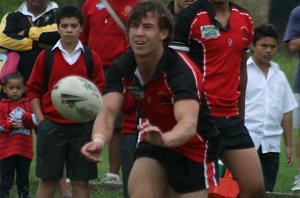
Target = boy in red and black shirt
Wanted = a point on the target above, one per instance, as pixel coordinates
(16, 124)
(216, 34)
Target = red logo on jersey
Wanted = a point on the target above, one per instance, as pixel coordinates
(245, 33)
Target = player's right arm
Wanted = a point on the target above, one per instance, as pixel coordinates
(103, 126)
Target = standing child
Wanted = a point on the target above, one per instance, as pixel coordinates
(58, 139)
(269, 103)
(16, 123)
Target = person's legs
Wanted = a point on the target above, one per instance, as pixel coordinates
(78, 168)
(51, 156)
(147, 179)
(80, 189)
(270, 166)
(245, 167)
(7, 175)
(296, 125)
(46, 189)
(64, 188)
(128, 147)
(22, 176)
(114, 158)
(237, 151)
(296, 184)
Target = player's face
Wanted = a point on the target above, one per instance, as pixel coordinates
(14, 89)
(264, 49)
(181, 4)
(146, 37)
(69, 30)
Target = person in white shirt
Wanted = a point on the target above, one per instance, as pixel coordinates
(269, 103)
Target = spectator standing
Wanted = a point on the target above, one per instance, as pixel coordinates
(215, 34)
(16, 124)
(269, 104)
(292, 37)
(29, 30)
(58, 139)
(103, 35)
(165, 89)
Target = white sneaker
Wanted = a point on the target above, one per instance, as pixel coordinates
(296, 184)
(111, 178)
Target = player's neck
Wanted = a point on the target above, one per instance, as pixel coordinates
(147, 65)
(222, 13)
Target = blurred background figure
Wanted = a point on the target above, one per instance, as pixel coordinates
(292, 38)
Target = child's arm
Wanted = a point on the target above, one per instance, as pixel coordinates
(287, 136)
(6, 126)
(29, 120)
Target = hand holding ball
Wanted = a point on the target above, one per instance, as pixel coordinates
(76, 99)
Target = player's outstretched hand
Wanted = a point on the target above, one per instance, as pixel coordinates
(152, 134)
(92, 151)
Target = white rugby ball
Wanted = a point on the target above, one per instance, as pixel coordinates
(76, 99)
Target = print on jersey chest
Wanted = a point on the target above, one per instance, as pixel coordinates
(209, 31)
(137, 92)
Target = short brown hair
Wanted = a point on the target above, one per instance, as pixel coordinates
(164, 16)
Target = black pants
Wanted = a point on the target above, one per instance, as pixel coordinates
(270, 165)
(14, 165)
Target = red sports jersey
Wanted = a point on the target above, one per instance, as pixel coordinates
(176, 78)
(217, 50)
(100, 31)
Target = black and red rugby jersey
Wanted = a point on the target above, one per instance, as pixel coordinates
(217, 51)
(176, 78)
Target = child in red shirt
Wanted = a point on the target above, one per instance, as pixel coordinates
(16, 124)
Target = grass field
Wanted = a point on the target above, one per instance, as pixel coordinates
(285, 177)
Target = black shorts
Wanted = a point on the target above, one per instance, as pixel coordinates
(233, 134)
(184, 175)
(59, 145)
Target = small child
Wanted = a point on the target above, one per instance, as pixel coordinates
(269, 103)
(16, 124)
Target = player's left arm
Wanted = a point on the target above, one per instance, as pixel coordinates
(186, 114)
(243, 83)
(287, 136)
